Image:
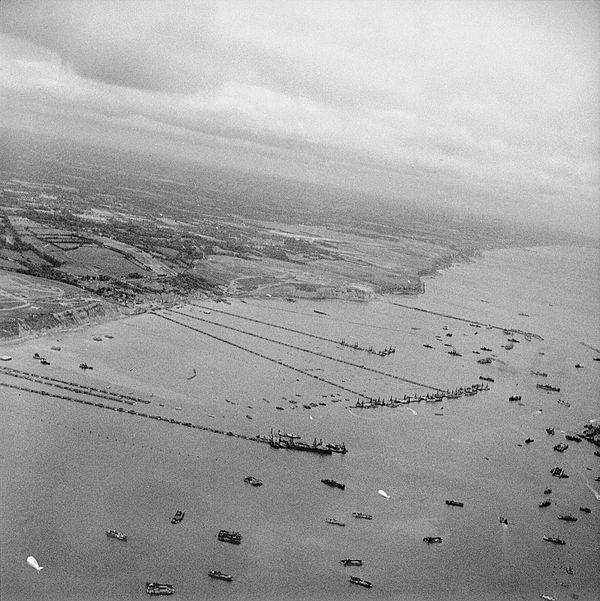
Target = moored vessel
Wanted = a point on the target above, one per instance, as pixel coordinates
(362, 516)
(351, 562)
(156, 588)
(220, 576)
(333, 483)
(334, 522)
(229, 537)
(116, 534)
(360, 581)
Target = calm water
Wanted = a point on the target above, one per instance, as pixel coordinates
(70, 472)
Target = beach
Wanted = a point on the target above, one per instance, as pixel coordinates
(71, 471)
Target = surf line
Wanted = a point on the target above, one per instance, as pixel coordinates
(299, 348)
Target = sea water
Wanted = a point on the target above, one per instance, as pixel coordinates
(70, 471)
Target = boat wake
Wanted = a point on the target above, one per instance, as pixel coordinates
(369, 419)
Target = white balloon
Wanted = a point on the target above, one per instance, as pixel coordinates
(32, 561)
(383, 494)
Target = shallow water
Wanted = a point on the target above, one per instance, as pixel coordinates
(72, 471)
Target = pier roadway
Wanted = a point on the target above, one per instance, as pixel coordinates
(44, 381)
(257, 354)
(478, 323)
(304, 350)
(273, 325)
(132, 412)
(73, 386)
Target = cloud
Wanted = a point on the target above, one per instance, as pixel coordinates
(495, 98)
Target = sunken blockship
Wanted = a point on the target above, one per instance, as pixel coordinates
(430, 397)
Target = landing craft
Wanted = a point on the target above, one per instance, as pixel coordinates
(383, 494)
(32, 561)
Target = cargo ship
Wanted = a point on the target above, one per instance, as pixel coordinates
(229, 537)
(333, 483)
(547, 387)
(156, 588)
(360, 581)
(556, 541)
(116, 534)
(351, 562)
(220, 576)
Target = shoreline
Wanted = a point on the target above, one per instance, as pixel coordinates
(354, 292)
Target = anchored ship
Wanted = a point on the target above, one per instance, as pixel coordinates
(116, 534)
(360, 581)
(229, 537)
(220, 576)
(156, 588)
(333, 483)
(351, 562)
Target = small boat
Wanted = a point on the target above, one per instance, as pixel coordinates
(334, 522)
(486, 378)
(427, 346)
(484, 361)
(514, 397)
(454, 503)
(550, 431)
(320, 312)
(539, 373)
(561, 447)
(567, 518)
(97, 339)
(432, 539)
(116, 534)
(85, 366)
(545, 503)
(229, 537)
(547, 491)
(156, 588)
(333, 484)
(351, 562)
(578, 366)
(485, 348)
(252, 480)
(547, 597)
(44, 361)
(572, 437)
(503, 520)
(528, 440)
(363, 516)
(176, 519)
(360, 581)
(585, 509)
(556, 541)
(220, 576)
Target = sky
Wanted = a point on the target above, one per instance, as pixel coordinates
(488, 106)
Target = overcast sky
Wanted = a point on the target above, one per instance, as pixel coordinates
(491, 106)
